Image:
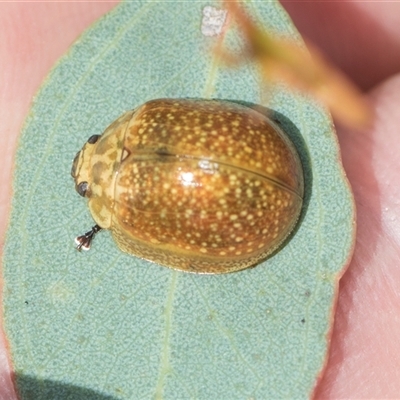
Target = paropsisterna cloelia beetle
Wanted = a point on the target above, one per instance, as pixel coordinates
(206, 186)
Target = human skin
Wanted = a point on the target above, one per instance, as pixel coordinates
(360, 37)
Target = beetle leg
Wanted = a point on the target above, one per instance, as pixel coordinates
(83, 242)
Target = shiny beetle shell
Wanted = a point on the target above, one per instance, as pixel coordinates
(204, 186)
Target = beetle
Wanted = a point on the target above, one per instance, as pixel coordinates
(206, 186)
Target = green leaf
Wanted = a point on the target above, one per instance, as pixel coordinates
(107, 325)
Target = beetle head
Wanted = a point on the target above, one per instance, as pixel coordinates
(81, 167)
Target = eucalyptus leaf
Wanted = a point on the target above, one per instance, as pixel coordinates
(107, 325)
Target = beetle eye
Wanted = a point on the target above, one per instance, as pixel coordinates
(93, 139)
(82, 188)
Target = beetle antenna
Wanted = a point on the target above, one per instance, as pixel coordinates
(83, 242)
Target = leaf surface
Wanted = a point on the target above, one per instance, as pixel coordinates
(106, 325)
